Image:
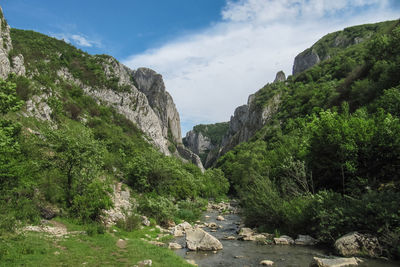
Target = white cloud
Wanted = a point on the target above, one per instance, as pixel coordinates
(212, 72)
(77, 39)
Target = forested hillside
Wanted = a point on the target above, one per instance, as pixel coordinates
(68, 137)
(327, 162)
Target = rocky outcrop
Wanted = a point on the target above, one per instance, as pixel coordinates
(356, 244)
(198, 239)
(280, 77)
(5, 47)
(122, 205)
(152, 85)
(151, 108)
(305, 60)
(247, 120)
(190, 156)
(197, 142)
(17, 62)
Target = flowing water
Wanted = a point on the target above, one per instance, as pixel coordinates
(249, 253)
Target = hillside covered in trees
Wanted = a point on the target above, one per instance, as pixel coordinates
(327, 162)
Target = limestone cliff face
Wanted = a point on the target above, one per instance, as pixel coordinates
(331, 43)
(246, 121)
(197, 142)
(152, 85)
(305, 60)
(17, 62)
(141, 96)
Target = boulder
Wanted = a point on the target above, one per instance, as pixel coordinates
(198, 239)
(354, 244)
(246, 232)
(174, 246)
(334, 262)
(180, 229)
(284, 240)
(145, 221)
(229, 237)
(145, 263)
(258, 237)
(305, 240)
(267, 263)
(220, 218)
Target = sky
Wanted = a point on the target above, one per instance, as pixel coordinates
(212, 53)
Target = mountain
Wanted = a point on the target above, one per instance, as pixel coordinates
(319, 152)
(139, 95)
(262, 106)
(205, 140)
(80, 134)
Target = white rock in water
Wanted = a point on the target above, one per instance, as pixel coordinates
(267, 263)
(198, 239)
(284, 240)
(174, 246)
(220, 218)
(334, 262)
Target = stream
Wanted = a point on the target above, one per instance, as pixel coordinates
(249, 253)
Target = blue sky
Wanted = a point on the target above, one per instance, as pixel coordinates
(211, 53)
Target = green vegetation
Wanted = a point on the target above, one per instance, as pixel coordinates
(33, 249)
(66, 166)
(213, 131)
(328, 161)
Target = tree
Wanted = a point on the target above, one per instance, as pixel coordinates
(79, 157)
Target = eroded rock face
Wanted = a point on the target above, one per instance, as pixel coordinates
(198, 239)
(152, 85)
(280, 77)
(198, 143)
(305, 60)
(5, 47)
(17, 62)
(247, 120)
(356, 244)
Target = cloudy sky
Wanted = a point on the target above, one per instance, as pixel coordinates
(211, 53)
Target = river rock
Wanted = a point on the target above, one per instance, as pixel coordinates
(354, 244)
(231, 237)
(267, 263)
(220, 218)
(212, 225)
(246, 232)
(334, 262)
(284, 240)
(305, 240)
(180, 229)
(174, 246)
(198, 239)
(258, 237)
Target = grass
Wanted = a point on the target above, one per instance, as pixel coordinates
(36, 249)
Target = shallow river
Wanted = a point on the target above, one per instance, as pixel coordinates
(250, 253)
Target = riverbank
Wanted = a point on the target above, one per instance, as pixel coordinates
(237, 252)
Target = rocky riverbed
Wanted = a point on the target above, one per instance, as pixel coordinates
(238, 252)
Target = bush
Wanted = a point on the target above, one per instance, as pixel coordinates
(130, 223)
(158, 207)
(89, 205)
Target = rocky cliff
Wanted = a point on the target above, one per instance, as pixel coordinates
(333, 43)
(139, 95)
(248, 119)
(8, 63)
